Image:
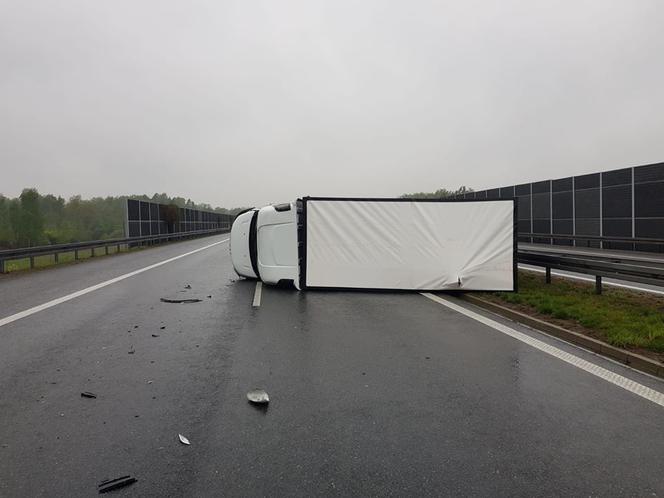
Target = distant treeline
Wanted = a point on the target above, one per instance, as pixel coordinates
(441, 193)
(33, 219)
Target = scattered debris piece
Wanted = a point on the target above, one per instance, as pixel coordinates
(162, 327)
(111, 484)
(87, 394)
(135, 326)
(427, 357)
(165, 300)
(183, 439)
(149, 382)
(131, 351)
(155, 335)
(258, 396)
(210, 296)
(187, 286)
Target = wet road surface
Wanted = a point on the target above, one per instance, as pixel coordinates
(372, 394)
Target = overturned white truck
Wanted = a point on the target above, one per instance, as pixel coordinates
(387, 244)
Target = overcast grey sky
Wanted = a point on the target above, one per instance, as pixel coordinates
(249, 102)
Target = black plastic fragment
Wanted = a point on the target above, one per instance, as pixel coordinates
(87, 394)
(155, 335)
(162, 327)
(164, 300)
(111, 484)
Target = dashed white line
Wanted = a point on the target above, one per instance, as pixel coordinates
(257, 294)
(92, 288)
(607, 375)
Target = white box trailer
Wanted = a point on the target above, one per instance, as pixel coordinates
(381, 244)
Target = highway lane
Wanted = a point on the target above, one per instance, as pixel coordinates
(371, 394)
(39, 286)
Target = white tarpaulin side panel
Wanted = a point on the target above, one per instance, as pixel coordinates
(411, 245)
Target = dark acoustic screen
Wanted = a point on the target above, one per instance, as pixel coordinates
(145, 218)
(622, 203)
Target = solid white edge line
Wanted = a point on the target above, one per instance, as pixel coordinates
(257, 294)
(587, 279)
(607, 375)
(92, 288)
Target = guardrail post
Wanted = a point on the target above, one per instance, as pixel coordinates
(32, 262)
(548, 274)
(92, 252)
(3, 266)
(75, 254)
(598, 284)
(106, 250)
(56, 258)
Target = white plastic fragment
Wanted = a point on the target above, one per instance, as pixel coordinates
(183, 439)
(258, 396)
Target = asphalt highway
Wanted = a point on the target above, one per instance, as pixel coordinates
(371, 394)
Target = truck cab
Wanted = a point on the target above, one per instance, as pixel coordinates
(264, 244)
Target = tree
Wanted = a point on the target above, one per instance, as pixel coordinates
(30, 227)
(441, 193)
(6, 233)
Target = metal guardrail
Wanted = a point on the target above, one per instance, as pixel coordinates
(56, 249)
(602, 241)
(631, 266)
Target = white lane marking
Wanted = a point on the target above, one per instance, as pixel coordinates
(257, 294)
(607, 375)
(587, 279)
(73, 295)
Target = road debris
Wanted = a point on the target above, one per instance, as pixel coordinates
(111, 484)
(155, 335)
(162, 327)
(87, 394)
(209, 296)
(187, 286)
(183, 439)
(258, 396)
(191, 300)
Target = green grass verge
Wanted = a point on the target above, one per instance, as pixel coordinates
(63, 257)
(619, 317)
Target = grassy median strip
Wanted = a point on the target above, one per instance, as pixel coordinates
(622, 318)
